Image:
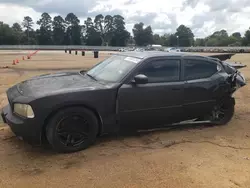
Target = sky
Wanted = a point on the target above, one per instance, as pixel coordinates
(202, 16)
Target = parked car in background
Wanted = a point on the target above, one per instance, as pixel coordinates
(127, 91)
(139, 50)
(173, 49)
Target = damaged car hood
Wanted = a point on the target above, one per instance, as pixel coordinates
(63, 82)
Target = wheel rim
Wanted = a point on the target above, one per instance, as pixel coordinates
(73, 130)
(219, 113)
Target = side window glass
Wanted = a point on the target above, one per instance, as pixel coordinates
(162, 71)
(198, 69)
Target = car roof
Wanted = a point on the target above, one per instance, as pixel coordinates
(149, 54)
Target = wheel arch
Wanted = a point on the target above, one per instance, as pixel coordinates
(226, 98)
(57, 109)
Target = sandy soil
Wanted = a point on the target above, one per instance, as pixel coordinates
(188, 157)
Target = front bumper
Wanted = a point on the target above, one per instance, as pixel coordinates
(25, 128)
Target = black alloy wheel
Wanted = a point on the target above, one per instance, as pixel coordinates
(72, 129)
(222, 112)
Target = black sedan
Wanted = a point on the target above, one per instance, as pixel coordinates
(127, 91)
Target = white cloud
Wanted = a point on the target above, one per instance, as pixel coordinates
(202, 16)
(15, 13)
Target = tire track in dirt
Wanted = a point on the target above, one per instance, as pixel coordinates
(174, 143)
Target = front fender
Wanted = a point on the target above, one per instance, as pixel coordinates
(101, 102)
(57, 108)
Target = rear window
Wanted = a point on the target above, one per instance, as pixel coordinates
(198, 69)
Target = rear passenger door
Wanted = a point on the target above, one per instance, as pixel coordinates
(200, 82)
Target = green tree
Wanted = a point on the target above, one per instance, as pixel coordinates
(173, 40)
(162, 40)
(235, 39)
(105, 27)
(237, 35)
(17, 28)
(120, 36)
(166, 39)
(157, 39)
(18, 32)
(200, 42)
(6, 34)
(221, 38)
(74, 30)
(185, 36)
(92, 37)
(59, 27)
(45, 33)
(221, 33)
(131, 41)
(99, 27)
(142, 36)
(28, 24)
(108, 29)
(246, 38)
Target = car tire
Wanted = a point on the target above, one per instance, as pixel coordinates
(72, 129)
(228, 112)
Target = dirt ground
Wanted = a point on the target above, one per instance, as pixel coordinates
(188, 156)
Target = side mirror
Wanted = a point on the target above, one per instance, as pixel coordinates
(140, 79)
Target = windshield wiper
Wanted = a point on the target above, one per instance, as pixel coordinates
(91, 76)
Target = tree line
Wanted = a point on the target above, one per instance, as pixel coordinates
(106, 30)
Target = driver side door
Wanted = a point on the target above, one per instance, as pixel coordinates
(158, 102)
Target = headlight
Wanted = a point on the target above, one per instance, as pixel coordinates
(24, 110)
